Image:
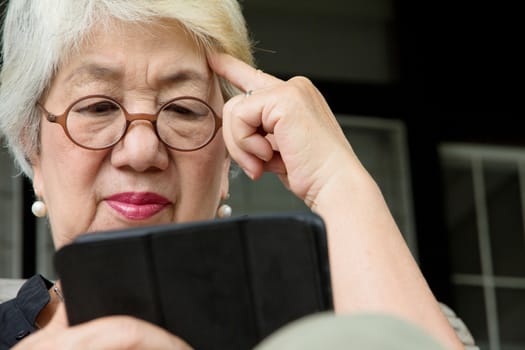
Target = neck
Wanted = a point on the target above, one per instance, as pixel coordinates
(55, 298)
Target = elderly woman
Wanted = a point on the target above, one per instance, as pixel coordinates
(128, 113)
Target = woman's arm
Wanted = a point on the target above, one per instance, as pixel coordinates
(287, 128)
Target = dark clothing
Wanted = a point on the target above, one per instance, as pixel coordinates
(18, 315)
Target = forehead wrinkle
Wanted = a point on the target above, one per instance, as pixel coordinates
(110, 80)
(94, 73)
(184, 77)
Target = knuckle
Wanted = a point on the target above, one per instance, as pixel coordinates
(301, 85)
(261, 74)
(237, 115)
(301, 81)
(230, 106)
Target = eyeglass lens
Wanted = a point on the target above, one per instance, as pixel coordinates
(97, 122)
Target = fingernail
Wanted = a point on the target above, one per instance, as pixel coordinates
(248, 173)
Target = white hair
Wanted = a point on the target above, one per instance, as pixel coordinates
(39, 34)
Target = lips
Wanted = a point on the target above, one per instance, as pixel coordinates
(137, 205)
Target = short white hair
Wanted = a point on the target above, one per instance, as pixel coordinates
(39, 34)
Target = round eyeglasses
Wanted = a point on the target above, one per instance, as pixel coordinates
(98, 122)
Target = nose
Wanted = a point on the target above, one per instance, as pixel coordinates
(140, 149)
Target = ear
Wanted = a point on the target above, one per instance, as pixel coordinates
(225, 180)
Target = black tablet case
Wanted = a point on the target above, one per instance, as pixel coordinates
(222, 284)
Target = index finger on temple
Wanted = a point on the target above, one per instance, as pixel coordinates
(239, 73)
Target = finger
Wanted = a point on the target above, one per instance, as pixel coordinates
(276, 165)
(257, 145)
(123, 332)
(248, 133)
(240, 74)
(248, 162)
(273, 142)
(247, 126)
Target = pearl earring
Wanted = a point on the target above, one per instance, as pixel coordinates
(39, 209)
(224, 211)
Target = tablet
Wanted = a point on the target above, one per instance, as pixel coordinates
(218, 284)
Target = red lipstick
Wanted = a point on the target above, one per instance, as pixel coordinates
(137, 205)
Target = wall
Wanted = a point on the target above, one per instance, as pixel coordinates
(334, 40)
(10, 214)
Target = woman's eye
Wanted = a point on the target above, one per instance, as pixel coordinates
(99, 108)
(191, 109)
(175, 108)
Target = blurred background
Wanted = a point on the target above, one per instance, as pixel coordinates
(427, 93)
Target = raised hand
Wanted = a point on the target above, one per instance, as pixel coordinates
(285, 127)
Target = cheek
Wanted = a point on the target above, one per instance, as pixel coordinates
(68, 180)
(208, 161)
(201, 176)
(207, 172)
